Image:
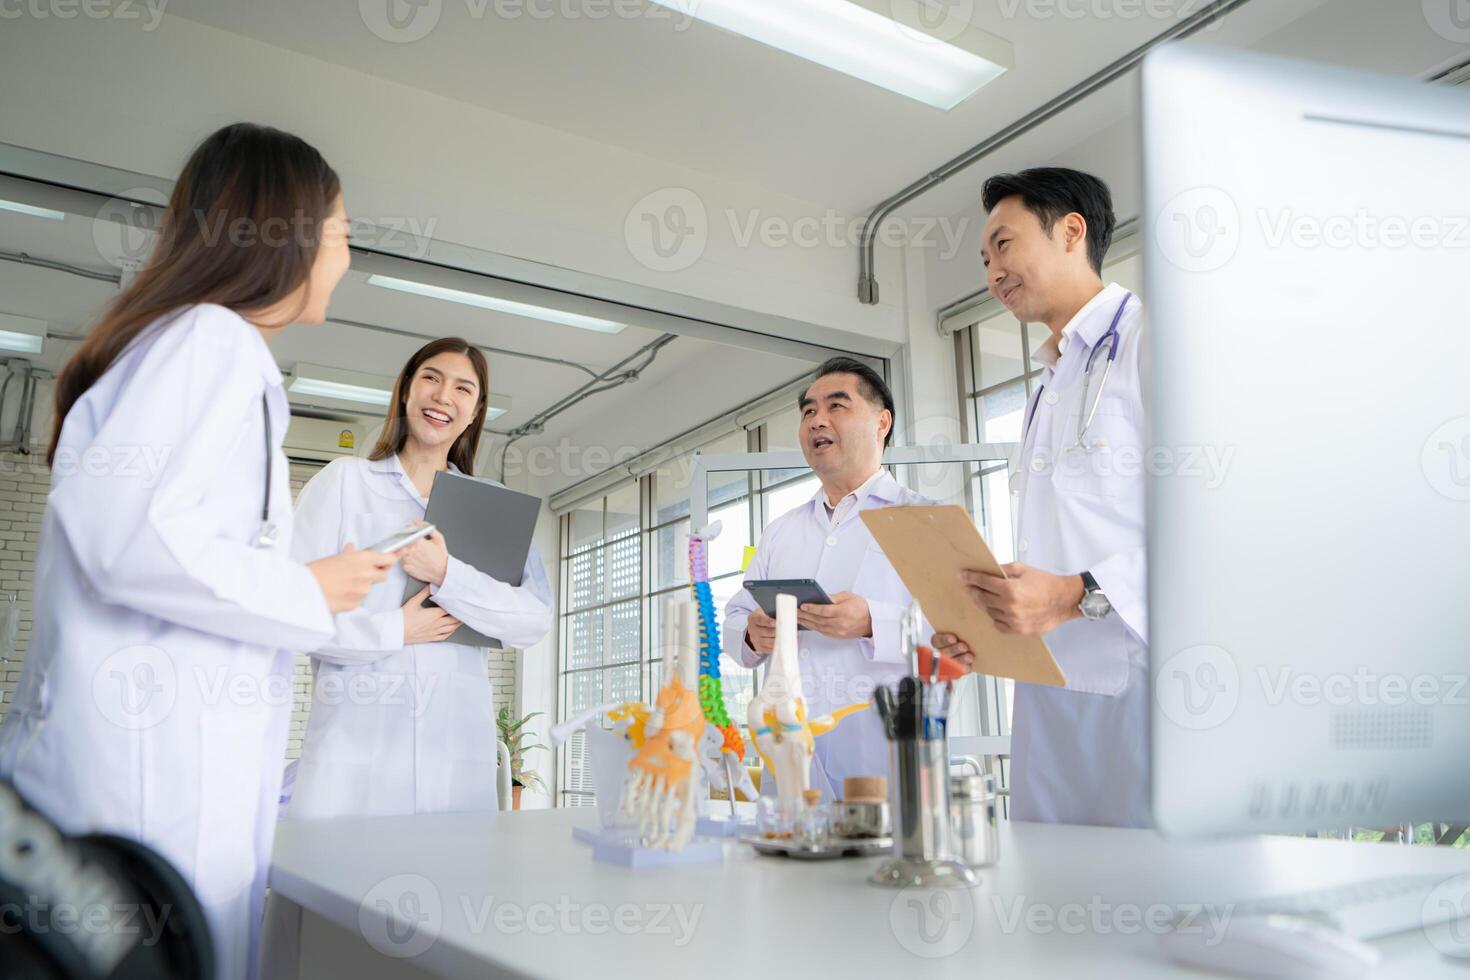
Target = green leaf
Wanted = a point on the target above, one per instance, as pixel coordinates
(510, 730)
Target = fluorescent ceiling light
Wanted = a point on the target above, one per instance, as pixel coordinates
(901, 45)
(21, 333)
(24, 342)
(31, 210)
(317, 383)
(342, 392)
(496, 303)
(496, 406)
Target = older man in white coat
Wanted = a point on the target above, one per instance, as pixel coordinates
(1079, 753)
(849, 647)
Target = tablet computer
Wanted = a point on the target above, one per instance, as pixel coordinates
(806, 590)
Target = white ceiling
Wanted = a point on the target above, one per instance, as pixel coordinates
(687, 92)
(1389, 36)
(692, 95)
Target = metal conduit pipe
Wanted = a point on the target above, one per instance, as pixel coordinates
(500, 351)
(23, 424)
(868, 282)
(76, 270)
(1456, 73)
(617, 375)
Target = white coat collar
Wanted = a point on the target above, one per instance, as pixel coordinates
(265, 362)
(1087, 325)
(269, 369)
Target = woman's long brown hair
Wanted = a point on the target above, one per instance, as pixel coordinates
(242, 229)
(395, 429)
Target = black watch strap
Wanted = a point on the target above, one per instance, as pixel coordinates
(1089, 584)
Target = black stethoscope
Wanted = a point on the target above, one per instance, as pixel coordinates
(269, 535)
(1084, 422)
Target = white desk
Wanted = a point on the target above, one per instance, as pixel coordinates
(1064, 902)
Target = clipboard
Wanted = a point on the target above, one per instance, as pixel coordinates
(929, 545)
(488, 527)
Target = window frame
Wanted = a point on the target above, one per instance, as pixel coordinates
(648, 592)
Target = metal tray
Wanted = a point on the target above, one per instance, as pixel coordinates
(834, 847)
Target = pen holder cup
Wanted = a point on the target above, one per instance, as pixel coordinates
(919, 798)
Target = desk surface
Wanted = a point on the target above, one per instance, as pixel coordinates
(523, 898)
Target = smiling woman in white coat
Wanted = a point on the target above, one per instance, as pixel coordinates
(402, 721)
(156, 694)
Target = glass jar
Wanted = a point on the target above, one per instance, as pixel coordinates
(814, 821)
(974, 834)
(775, 818)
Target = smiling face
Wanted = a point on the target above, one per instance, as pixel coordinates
(1026, 268)
(842, 432)
(444, 398)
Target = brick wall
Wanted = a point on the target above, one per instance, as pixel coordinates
(24, 482)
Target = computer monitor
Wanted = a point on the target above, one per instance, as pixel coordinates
(1307, 270)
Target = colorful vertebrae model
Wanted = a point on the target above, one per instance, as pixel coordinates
(711, 689)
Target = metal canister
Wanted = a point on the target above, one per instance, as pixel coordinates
(974, 835)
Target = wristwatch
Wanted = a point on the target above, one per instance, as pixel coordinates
(1094, 604)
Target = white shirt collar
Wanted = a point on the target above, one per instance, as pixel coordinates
(1088, 324)
(881, 485)
(392, 464)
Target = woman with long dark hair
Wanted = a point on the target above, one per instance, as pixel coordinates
(402, 718)
(156, 695)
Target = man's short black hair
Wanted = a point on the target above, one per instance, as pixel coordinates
(870, 385)
(1052, 193)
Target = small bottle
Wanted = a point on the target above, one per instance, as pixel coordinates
(814, 822)
(775, 818)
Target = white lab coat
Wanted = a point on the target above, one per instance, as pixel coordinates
(802, 543)
(156, 693)
(1080, 753)
(400, 729)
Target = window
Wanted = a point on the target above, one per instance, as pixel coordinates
(623, 555)
(601, 631)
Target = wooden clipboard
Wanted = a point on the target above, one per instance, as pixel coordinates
(929, 546)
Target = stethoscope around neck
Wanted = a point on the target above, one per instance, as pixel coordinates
(1108, 341)
(269, 534)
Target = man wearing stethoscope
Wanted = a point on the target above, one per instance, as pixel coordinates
(1079, 754)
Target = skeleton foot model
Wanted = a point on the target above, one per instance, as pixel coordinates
(663, 778)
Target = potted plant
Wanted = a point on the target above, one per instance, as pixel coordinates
(514, 733)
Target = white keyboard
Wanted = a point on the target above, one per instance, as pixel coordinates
(1376, 907)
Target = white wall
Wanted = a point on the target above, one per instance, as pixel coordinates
(534, 669)
(929, 364)
(1111, 153)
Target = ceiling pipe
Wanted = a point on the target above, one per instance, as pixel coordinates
(868, 281)
(1457, 73)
